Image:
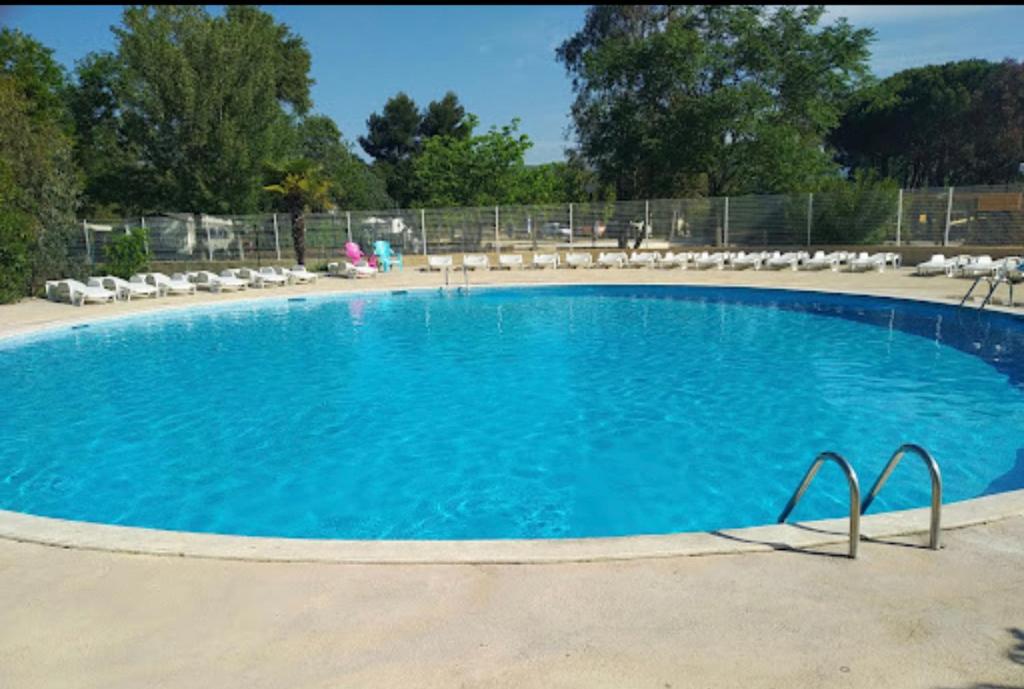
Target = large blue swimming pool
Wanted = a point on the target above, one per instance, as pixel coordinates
(506, 413)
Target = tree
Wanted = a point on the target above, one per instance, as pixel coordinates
(678, 99)
(391, 141)
(39, 184)
(354, 183)
(300, 187)
(446, 117)
(481, 170)
(958, 123)
(189, 106)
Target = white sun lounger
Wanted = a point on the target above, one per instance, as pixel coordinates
(614, 258)
(643, 259)
(864, 263)
(790, 260)
(981, 265)
(705, 260)
(272, 277)
(937, 264)
(169, 285)
(510, 261)
(345, 269)
(673, 260)
(77, 293)
(476, 261)
(439, 262)
(579, 259)
(297, 274)
(545, 261)
(744, 260)
(820, 261)
(125, 289)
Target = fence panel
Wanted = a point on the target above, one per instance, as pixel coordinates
(978, 216)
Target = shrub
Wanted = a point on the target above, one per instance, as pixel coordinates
(127, 254)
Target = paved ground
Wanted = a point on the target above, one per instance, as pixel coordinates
(900, 616)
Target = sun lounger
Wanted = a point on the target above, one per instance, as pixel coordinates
(705, 260)
(673, 260)
(643, 259)
(579, 259)
(820, 261)
(864, 262)
(979, 266)
(510, 261)
(297, 274)
(614, 258)
(790, 260)
(476, 261)
(545, 261)
(168, 285)
(937, 264)
(744, 260)
(77, 293)
(125, 289)
(439, 262)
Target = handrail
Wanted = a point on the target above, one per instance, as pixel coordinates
(933, 469)
(851, 478)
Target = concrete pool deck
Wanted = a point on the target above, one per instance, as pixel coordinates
(898, 616)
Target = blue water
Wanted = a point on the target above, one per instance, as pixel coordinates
(507, 413)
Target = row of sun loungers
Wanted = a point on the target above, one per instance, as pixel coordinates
(798, 260)
(966, 265)
(110, 288)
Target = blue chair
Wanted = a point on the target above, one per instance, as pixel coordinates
(386, 256)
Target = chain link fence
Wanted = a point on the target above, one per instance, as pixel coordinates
(989, 216)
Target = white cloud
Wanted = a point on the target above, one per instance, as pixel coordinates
(884, 14)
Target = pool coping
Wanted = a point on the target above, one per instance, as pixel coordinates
(64, 533)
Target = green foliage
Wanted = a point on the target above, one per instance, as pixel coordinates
(673, 100)
(299, 186)
(41, 80)
(861, 210)
(479, 171)
(182, 114)
(128, 254)
(954, 124)
(38, 186)
(355, 186)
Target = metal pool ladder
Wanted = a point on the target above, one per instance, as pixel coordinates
(936, 475)
(465, 281)
(857, 508)
(851, 478)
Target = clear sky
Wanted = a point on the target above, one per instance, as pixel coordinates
(500, 59)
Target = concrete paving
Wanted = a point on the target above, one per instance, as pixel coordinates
(899, 616)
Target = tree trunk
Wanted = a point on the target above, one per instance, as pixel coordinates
(299, 235)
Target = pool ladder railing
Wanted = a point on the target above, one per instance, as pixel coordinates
(1003, 276)
(856, 507)
(465, 280)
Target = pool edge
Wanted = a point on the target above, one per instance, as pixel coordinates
(70, 534)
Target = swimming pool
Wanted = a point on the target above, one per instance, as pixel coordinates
(547, 412)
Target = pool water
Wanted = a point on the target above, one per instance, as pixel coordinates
(547, 412)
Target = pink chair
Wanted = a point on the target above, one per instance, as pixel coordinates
(354, 253)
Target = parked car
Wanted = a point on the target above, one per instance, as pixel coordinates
(555, 229)
(596, 230)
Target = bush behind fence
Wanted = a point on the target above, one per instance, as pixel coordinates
(947, 217)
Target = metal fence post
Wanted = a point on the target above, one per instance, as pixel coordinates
(348, 225)
(209, 244)
(277, 239)
(496, 221)
(647, 220)
(423, 229)
(241, 245)
(899, 215)
(949, 217)
(570, 224)
(88, 248)
(725, 233)
(810, 215)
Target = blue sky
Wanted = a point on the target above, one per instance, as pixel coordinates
(500, 59)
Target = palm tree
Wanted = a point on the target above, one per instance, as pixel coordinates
(301, 188)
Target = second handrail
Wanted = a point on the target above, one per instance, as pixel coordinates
(933, 469)
(851, 478)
